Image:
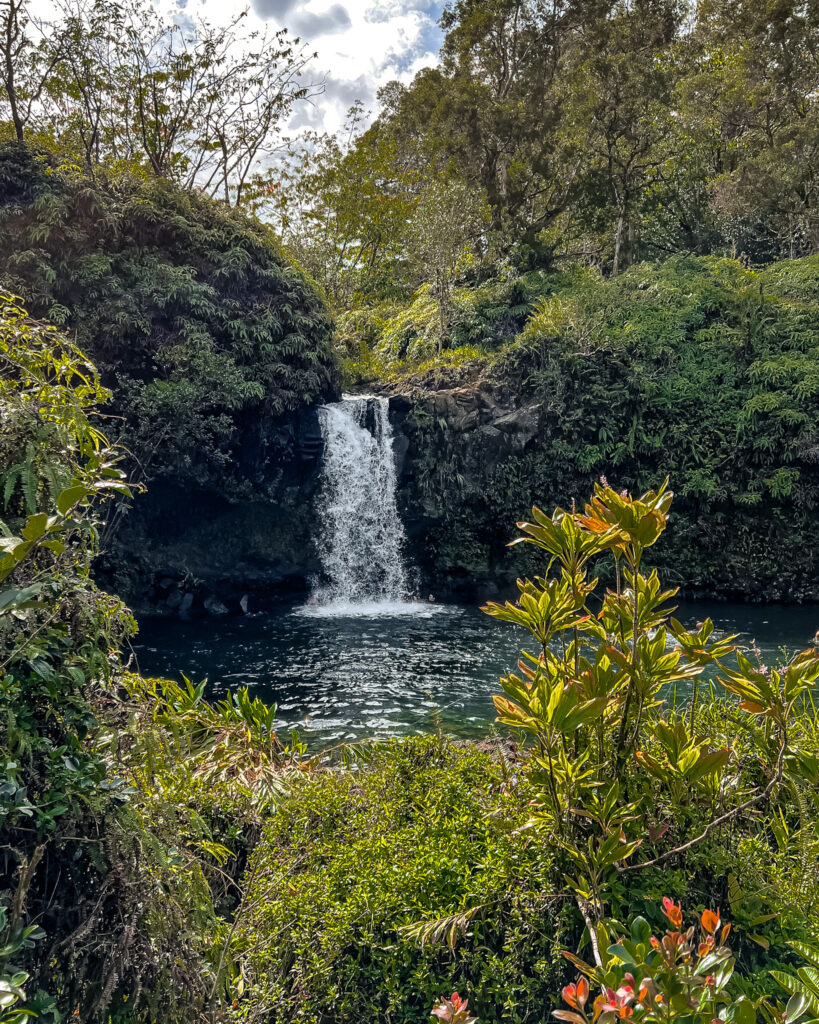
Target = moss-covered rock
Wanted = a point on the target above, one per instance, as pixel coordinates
(698, 369)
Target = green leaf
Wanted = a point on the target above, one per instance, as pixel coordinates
(621, 953)
(68, 498)
(797, 1006)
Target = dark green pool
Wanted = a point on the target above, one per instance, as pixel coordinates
(340, 677)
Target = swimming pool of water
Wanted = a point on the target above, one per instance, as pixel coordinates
(341, 673)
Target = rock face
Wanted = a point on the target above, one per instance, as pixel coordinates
(485, 426)
(449, 443)
(477, 452)
(473, 454)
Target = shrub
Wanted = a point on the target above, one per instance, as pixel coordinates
(199, 325)
(426, 832)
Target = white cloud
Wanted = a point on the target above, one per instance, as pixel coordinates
(361, 44)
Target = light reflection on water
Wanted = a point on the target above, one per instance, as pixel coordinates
(395, 670)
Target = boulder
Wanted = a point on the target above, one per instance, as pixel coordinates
(213, 606)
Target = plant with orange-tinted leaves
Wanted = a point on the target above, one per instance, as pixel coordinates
(680, 976)
(453, 1010)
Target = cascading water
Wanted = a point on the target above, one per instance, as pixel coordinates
(361, 537)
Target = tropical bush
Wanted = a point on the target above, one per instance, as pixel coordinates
(423, 831)
(625, 783)
(127, 807)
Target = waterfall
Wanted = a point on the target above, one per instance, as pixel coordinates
(361, 538)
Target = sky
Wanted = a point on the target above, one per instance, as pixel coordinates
(361, 44)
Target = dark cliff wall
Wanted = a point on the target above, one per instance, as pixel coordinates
(187, 548)
(476, 455)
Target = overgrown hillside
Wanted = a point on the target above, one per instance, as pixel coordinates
(202, 328)
(212, 342)
(696, 368)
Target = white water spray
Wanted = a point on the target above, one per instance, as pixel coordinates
(361, 537)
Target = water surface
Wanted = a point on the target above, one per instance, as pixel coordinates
(343, 672)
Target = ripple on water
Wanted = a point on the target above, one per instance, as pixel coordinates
(395, 668)
(373, 610)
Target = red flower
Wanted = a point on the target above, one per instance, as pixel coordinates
(453, 1010)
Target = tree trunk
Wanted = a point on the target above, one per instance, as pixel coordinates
(11, 36)
(618, 241)
(442, 307)
(623, 244)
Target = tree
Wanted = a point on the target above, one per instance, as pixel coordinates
(492, 112)
(449, 220)
(27, 62)
(751, 100)
(618, 107)
(342, 205)
(117, 83)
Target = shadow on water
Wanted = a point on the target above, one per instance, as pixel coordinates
(340, 673)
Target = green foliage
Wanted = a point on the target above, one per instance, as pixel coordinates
(803, 987)
(619, 773)
(698, 368)
(399, 338)
(203, 330)
(127, 807)
(353, 860)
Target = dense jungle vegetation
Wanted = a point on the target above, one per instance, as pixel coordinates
(603, 209)
(167, 858)
(698, 367)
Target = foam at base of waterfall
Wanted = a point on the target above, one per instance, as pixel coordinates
(370, 610)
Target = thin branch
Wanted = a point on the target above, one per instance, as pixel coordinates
(723, 818)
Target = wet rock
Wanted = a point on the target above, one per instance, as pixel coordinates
(213, 606)
(174, 600)
(244, 604)
(400, 446)
(186, 605)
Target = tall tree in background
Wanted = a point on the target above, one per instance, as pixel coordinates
(122, 84)
(27, 63)
(754, 96)
(618, 104)
(449, 220)
(342, 205)
(500, 116)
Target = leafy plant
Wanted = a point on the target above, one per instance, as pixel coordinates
(615, 770)
(453, 1010)
(682, 976)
